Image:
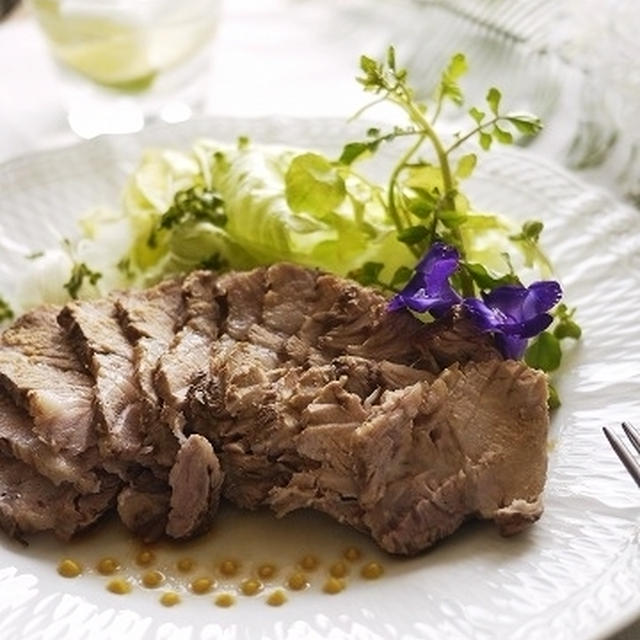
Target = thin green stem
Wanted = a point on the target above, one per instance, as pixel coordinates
(393, 180)
(472, 133)
(366, 107)
(448, 201)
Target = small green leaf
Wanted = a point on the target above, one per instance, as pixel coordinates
(544, 352)
(568, 329)
(6, 313)
(368, 65)
(401, 277)
(530, 232)
(373, 132)
(525, 123)
(477, 115)
(449, 87)
(452, 219)
(501, 135)
(368, 274)
(214, 263)
(79, 273)
(485, 140)
(553, 401)
(391, 58)
(352, 151)
(313, 185)
(414, 235)
(566, 326)
(493, 100)
(466, 165)
(487, 280)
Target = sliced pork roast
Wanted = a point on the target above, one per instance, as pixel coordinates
(280, 387)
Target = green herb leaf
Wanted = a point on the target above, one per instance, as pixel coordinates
(215, 262)
(354, 150)
(501, 135)
(414, 235)
(401, 277)
(566, 327)
(553, 401)
(544, 352)
(477, 115)
(79, 273)
(486, 279)
(485, 140)
(6, 313)
(195, 203)
(493, 100)
(525, 123)
(466, 165)
(452, 219)
(313, 185)
(449, 87)
(368, 274)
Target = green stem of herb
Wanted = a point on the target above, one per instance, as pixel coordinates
(368, 106)
(393, 180)
(448, 202)
(473, 132)
(436, 113)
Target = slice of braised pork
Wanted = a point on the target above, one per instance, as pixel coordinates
(428, 457)
(150, 320)
(41, 372)
(94, 331)
(18, 439)
(30, 503)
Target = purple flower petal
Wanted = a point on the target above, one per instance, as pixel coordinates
(514, 314)
(429, 288)
(511, 347)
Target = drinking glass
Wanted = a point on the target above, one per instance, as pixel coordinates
(126, 62)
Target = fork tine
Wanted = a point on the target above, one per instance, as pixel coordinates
(632, 434)
(624, 454)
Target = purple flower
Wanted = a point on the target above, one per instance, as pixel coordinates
(514, 313)
(429, 288)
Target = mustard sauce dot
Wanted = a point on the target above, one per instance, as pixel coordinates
(169, 599)
(107, 566)
(69, 568)
(266, 571)
(229, 568)
(250, 587)
(371, 571)
(352, 554)
(309, 563)
(185, 565)
(152, 579)
(333, 585)
(224, 600)
(119, 586)
(339, 570)
(201, 585)
(145, 558)
(297, 581)
(276, 598)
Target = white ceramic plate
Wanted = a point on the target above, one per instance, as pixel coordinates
(574, 575)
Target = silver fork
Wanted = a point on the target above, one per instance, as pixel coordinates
(626, 456)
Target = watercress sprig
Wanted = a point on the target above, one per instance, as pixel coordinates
(435, 220)
(424, 199)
